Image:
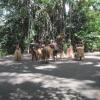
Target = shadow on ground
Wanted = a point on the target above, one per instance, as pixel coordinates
(32, 91)
(60, 80)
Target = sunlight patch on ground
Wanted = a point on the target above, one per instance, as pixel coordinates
(49, 81)
(98, 65)
(92, 53)
(92, 93)
(65, 61)
(46, 67)
(53, 65)
(85, 63)
(93, 57)
(7, 62)
(97, 74)
(27, 56)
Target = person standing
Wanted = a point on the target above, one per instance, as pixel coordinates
(70, 53)
(18, 53)
(80, 50)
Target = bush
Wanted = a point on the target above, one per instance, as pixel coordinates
(8, 43)
(2, 53)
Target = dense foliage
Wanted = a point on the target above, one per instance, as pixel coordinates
(25, 20)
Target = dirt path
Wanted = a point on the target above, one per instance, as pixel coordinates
(60, 80)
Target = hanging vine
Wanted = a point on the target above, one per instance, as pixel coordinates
(43, 24)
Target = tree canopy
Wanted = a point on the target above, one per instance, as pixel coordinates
(23, 20)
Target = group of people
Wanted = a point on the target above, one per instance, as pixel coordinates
(52, 49)
(45, 50)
